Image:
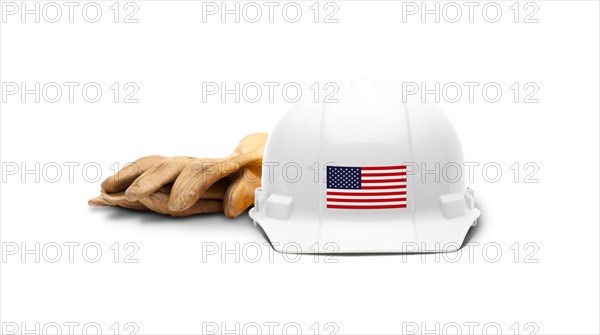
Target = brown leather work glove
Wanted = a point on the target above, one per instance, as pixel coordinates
(183, 186)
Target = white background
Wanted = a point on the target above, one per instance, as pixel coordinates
(178, 288)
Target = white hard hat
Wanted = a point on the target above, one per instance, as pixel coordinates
(356, 176)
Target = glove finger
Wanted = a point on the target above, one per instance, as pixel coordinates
(240, 193)
(119, 199)
(215, 191)
(122, 179)
(98, 201)
(158, 202)
(198, 176)
(155, 177)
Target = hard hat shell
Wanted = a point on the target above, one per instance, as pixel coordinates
(369, 127)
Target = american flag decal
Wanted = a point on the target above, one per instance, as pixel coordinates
(366, 187)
